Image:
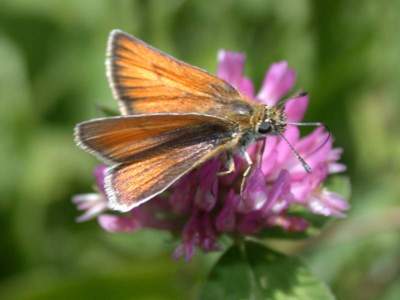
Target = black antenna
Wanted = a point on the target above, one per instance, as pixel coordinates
(283, 101)
(316, 124)
(306, 166)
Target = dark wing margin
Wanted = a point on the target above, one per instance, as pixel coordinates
(146, 80)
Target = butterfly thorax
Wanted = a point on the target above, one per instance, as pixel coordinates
(274, 121)
(264, 120)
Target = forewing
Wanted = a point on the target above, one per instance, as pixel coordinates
(120, 139)
(151, 152)
(146, 80)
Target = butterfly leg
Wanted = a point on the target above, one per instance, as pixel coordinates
(230, 165)
(250, 164)
(247, 172)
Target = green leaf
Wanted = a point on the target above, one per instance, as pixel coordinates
(252, 271)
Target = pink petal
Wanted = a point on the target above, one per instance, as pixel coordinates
(205, 200)
(198, 231)
(246, 87)
(207, 174)
(90, 213)
(279, 190)
(191, 233)
(335, 154)
(227, 180)
(99, 173)
(255, 192)
(83, 201)
(225, 221)
(289, 223)
(281, 156)
(270, 145)
(152, 215)
(328, 204)
(311, 142)
(186, 250)
(180, 199)
(292, 134)
(207, 191)
(279, 79)
(230, 67)
(302, 189)
(336, 168)
(319, 155)
(270, 156)
(295, 108)
(315, 149)
(92, 204)
(208, 236)
(114, 223)
(251, 222)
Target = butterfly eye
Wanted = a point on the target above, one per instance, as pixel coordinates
(265, 128)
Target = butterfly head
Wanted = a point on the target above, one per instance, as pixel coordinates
(273, 122)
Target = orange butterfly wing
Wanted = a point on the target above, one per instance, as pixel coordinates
(128, 186)
(145, 80)
(153, 151)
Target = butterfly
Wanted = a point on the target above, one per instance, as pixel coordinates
(174, 118)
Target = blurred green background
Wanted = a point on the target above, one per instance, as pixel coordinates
(347, 55)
